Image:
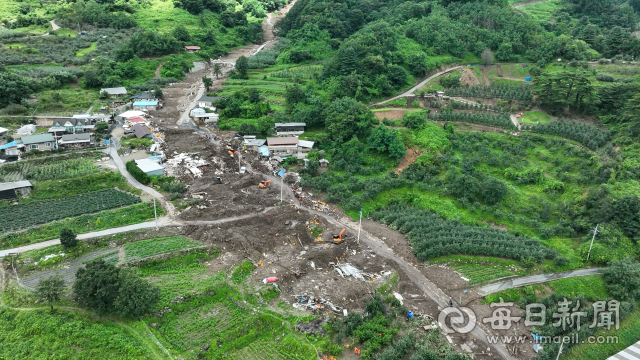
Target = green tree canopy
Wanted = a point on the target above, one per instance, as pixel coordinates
(346, 118)
(68, 239)
(387, 140)
(97, 286)
(50, 289)
(622, 278)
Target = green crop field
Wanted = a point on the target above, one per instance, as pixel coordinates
(534, 117)
(85, 51)
(146, 248)
(36, 334)
(481, 269)
(128, 215)
(17, 217)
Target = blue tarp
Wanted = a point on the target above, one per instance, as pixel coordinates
(281, 173)
(6, 146)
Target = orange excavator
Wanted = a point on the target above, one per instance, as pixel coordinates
(233, 153)
(264, 184)
(337, 239)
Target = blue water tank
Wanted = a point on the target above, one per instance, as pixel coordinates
(409, 314)
(84, 33)
(528, 78)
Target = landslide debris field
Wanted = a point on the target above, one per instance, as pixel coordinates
(246, 222)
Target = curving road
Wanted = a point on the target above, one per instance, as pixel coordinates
(420, 84)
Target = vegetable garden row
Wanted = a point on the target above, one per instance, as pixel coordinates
(500, 91)
(432, 237)
(54, 170)
(500, 120)
(17, 217)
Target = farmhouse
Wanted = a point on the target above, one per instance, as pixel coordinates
(76, 141)
(206, 101)
(41, 142)
(304, 146)
(71, 126)
(253, 144)
(141, 131)
(143, 96)
(191, 49)
(11, 190)
(283, 145)
(287, 129)
(201, 114)
(114, 92)
(145, 105)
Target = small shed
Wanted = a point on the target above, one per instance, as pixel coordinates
(145, 105)
(11, 190)
(12, 148)
(191, 48)
(324, 163)
(150, 167)
(114, 92)
(3, 131)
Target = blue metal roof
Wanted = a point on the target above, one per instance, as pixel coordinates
(264, 150)
(146, 103)
(6, 146)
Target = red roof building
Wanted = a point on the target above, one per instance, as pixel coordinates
(192, 48)
(136, 119)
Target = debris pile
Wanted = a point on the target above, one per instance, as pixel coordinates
(313, 327)
(183, 162)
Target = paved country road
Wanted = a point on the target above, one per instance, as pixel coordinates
(420, 84)
(535, 279)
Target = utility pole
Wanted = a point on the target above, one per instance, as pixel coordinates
(359, 227)
(281, 184)
(560, 351)
(155, 213)
(593, 238)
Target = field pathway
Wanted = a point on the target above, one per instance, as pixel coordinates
(535, 279)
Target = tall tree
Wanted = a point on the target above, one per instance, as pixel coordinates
(97, 286)
(217, 70)
(207, 82)
(50, 289)
(242, 65)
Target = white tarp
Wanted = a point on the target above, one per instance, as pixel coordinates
(27, 130)
(3, 130)
(131, 113)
